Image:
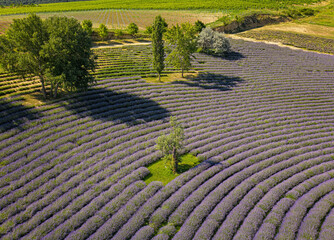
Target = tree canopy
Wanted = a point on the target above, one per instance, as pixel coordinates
(182, 42)
(56, 50)
(170, 144)
(103, 31)
(133, 28)
(87, 25)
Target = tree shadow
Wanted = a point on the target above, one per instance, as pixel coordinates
(211, 81)
(14, 114)
(231, 55)
(108, 105)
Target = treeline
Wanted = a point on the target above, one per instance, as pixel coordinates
(30, 2)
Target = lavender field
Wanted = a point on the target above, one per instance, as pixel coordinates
(261, 120)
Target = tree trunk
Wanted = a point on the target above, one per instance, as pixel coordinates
(41, 78)
(182, 73)
(56, 89)
(174, 161)
(159, 77)
(51, 90)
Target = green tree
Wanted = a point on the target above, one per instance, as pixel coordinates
(170, 144)
(103, 31)
(56, 50)
(133, 29)
(87, 25)
(182, 42)
(158, 28)
(199, 26)
(69, 55)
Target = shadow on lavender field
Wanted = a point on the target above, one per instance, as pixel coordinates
(13, 115)
(231, 56)
(212, 81)
(108, 105)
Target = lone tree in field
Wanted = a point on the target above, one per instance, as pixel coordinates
(170, 144)
(56, 50)
(213, 42)
(158, 28)
(103, 31)
(182, 41)
(87, 25)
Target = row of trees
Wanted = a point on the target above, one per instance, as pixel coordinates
(103, 30)
(182, 41)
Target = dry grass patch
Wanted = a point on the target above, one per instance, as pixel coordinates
(172, 77)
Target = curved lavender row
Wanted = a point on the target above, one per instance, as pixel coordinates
(91, 209)
(294, 216)
(111, 226)
(180, 215)
(143, 214)
(327, 228)
(237, 215)
(110, 145)
(206, 208)
(43, 220)
(254, 219)
(144, 233)
(115, 173)
(103, 214)
(309, 228)
(273, 220)
(71, 172)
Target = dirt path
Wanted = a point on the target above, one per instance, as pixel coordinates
(274, 43)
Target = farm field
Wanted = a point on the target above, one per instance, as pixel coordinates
(121, 18)
(261, 120)
(152, 4)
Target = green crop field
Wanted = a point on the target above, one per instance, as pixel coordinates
(152, 4)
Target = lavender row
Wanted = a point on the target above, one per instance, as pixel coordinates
(310, 226)
(237, 215)
(294, 216)
(274, 219)
(110, 227)
(327, 228)
(241, 172)
(255, 217)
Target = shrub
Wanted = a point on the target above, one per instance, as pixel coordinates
(133, 28)
(213, 42)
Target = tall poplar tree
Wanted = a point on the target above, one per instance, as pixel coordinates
(158, 28)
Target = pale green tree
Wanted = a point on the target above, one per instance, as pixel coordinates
(170, 144)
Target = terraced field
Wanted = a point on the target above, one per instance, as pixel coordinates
(261, 120)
